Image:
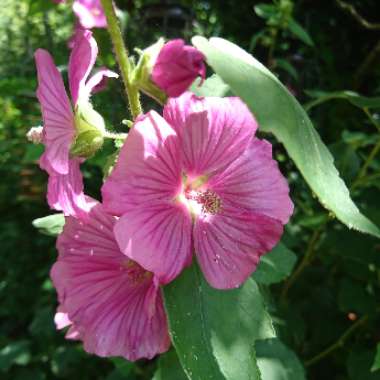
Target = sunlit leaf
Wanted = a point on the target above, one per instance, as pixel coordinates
(51, 225)
(279, 112)
(213, 331)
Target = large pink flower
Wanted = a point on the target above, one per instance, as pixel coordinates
(177, 66)
(90, 13)
(198, 181)
(110, 303)
(65, 187)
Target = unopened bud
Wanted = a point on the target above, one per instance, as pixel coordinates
(143, 71)
(90, 131)
(34, 135)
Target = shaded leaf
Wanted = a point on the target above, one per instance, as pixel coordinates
(353, 97)
(287, 66)
(279, 112)
(275, 266)
(353, 297)
(213, 330)
(265, 10)
(169, 368)
(14, 353)
(278, 362)
(300, 32)
(376, 362)
(359, 365)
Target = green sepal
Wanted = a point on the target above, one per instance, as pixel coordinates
(143, 70)
(90, 130)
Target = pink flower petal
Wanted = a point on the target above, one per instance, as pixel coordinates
(253, 182)
(115, 306)
(82, 60)
(158, 238)
(155, 229)
(228, 245)
(58, 118)
(99, 80)
(148, 169)
(90, 13)
(213, 132)
(65, 191)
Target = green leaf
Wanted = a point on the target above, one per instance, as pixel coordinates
(359, 139)
(278, 362)
(212, 85)
(265, 10)
(275, 266)
(169, 368)
(213, 330)
(287, 66)
(353, 97)
(122, 369)
(300, 32)
(359, 364)
(279, 112)
(376, 362)
(15, 353)
(353, 297)
(51, 225)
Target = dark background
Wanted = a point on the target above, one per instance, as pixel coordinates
(338, 286)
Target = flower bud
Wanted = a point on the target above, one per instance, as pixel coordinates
(143, 71)
(177, 66)
(35, 135)
(90, 130)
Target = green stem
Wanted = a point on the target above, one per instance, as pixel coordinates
(308, 106)
(339, 343)
(122, 58)
(305, 261)
(368, 161)
(371, 118)
(115, 136)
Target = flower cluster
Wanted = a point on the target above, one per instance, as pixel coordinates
(194, 182)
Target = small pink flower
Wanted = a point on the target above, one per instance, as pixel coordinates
(198, 181)
(110, 303)
(90, 13)
(65, 187)
(177, 66)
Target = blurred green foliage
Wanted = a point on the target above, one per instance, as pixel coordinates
(331, 301)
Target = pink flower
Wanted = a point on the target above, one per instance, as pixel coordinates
(110, 303)
(197, 181)
(177, 66)
(90, 13)
(61, 124)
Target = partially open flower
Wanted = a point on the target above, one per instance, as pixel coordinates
(177, 66)
(198, 181)
(66, 131)
(110, 303)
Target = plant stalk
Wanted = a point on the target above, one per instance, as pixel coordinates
(122, 58)
(339, 343)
